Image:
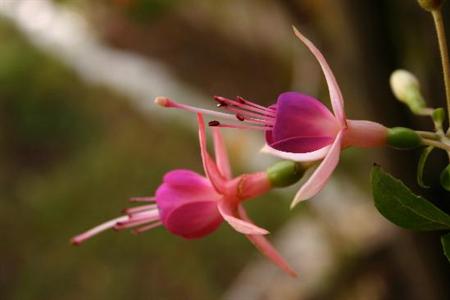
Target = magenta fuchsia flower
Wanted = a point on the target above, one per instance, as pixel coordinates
(191, 206)
(299, 127)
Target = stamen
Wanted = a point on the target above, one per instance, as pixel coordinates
(142, 199)
(247, 105)
(149, 214)
(265, 128)
(240, 117)
(240, 99)
(259, 122)
(134, 210)
(96, 230)
(256, 121)
(221, 104)
(250, 103)
(166, 102)
(214, 123)
(125, 225)
(146, 227)
(138, 219)
(249, 113)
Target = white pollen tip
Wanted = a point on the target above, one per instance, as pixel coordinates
(162, 101)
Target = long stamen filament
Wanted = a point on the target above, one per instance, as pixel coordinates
(248, 114)
(142, 199)
(244, 111)
(218, 124)
(129, 224)
(137, 209)
(250, 103)
(97, 229)
(166, 102)
(255, 121)
(146, 227)
(245, 105)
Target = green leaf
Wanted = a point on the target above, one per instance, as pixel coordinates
(398, 204)
(420, 166)
(445, 240)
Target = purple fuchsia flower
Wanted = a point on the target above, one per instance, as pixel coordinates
(191, 206)
(299, 127)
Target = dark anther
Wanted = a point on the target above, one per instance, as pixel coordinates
(240, 117)
(214, 123)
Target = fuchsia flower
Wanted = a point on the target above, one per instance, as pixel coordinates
(299, 127)
(191, 206)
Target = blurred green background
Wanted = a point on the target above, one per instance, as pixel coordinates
(73, 149)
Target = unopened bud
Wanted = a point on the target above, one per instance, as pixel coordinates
(285, 173)
(445, 178)
(406, 88)
(403, 138)
(430, 5)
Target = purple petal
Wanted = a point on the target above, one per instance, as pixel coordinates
(300, 116)
(194, 219)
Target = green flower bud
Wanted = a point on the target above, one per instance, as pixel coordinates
(430, 5)
(285, 173)
(445, 178)
(403, 138)
(406, 88)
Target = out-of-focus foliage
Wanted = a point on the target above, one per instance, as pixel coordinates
(143, 10)
(71, 155)
(137, 10)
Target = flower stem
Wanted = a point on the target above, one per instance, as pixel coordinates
(428, 135)
(440, 32)
(436, 144)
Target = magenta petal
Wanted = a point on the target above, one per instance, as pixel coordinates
(187, 180)
(230, 214)
(320, 176)
(337, 101)
(300, 116)
(194, 219)
(181, 187)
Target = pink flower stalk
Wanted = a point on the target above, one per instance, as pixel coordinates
(191, 206)
(299, 127)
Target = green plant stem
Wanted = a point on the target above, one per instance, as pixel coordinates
(440, 32)
(436, 144)
(428, 135)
